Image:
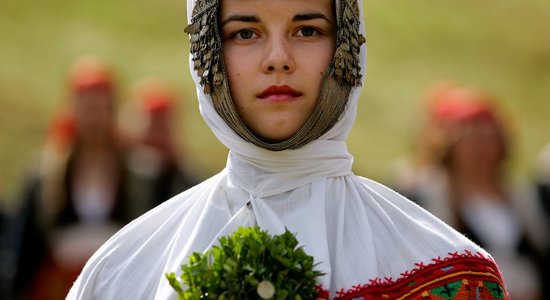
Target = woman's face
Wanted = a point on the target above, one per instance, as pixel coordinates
(276, 52)
(479, 149)
(93, 110)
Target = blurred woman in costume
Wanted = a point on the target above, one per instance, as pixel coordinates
(464, 182)
(78, 196)
(156, 158)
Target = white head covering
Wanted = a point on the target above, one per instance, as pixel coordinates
(357, 230)
(265, 173)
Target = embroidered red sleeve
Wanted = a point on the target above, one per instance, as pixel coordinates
(457, 277)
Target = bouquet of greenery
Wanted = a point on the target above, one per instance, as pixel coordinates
(249, 264)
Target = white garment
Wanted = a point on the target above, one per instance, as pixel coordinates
(355, 228)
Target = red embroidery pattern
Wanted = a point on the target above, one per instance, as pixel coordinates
(466, 276)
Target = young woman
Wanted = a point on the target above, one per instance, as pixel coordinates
(278, 83)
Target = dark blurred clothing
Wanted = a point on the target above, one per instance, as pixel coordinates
(544, 194)
(45, 252)
(156, 177)
(38, 239)
(543, 191)
(513, 231)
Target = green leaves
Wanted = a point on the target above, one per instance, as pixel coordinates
(246, 265)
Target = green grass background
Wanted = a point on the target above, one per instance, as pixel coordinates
(501, 46)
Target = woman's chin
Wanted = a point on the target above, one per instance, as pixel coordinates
(274, 139)
(276, 133)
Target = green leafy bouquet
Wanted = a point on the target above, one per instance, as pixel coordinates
(249, 264)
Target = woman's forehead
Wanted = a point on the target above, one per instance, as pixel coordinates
(278, 8)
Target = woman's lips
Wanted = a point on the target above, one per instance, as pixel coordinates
(279, 93)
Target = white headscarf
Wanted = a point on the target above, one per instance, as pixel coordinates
(356, 229)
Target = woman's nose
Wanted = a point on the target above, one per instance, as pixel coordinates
(278, 56)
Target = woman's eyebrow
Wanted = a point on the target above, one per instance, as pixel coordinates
(241, 18)
(311, 16)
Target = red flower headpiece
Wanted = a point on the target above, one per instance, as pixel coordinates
(90, 73)
(461, 104)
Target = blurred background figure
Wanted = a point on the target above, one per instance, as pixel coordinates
(156, 160)
(460, 175)
(79, 195)
(543, 179)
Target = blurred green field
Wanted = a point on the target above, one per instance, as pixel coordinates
(500, 46)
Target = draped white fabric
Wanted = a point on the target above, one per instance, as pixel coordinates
(355, 228)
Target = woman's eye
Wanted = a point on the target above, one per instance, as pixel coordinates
(245, 34)
(308, 31)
